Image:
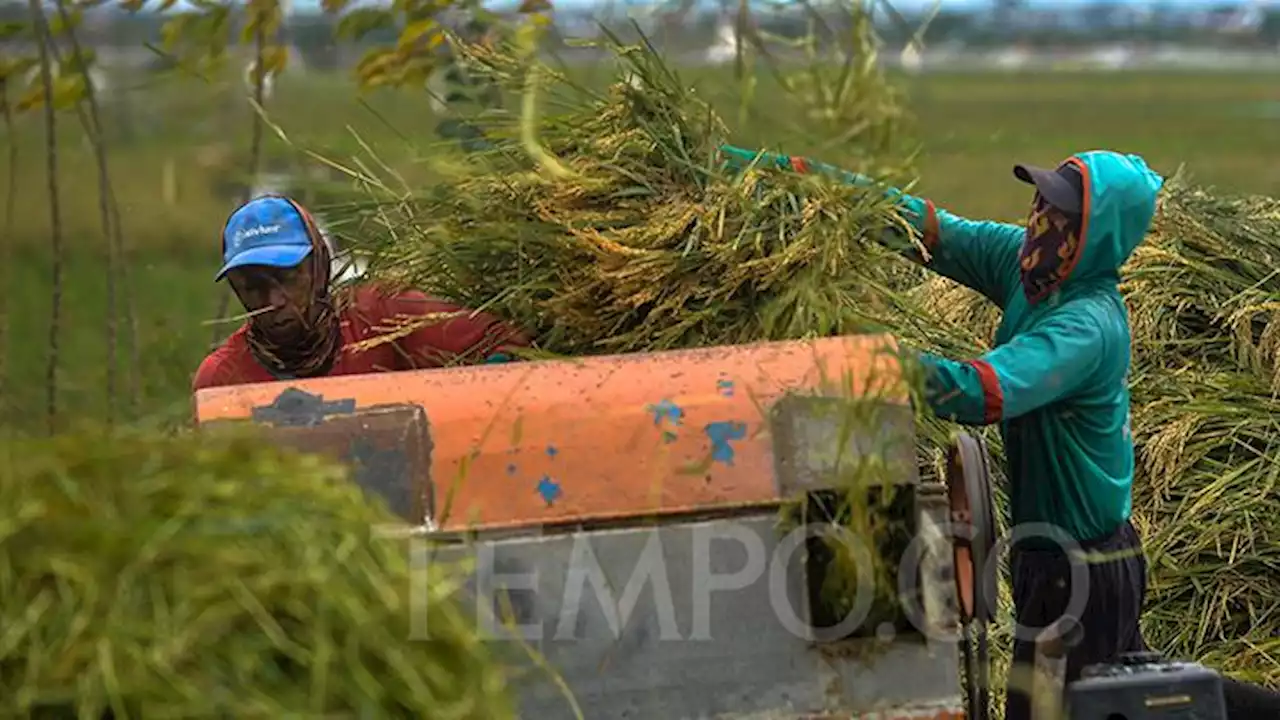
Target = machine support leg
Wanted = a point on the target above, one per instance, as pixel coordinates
(977, 664)
(1053, 644)
(984, 669)
(971, 694)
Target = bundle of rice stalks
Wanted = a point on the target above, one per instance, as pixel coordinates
(627, 234)
(1207, 501)
(959, 321)
(213, 577)
(1204, 294)
(1205, 287)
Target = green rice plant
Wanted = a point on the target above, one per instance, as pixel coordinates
(211, 576)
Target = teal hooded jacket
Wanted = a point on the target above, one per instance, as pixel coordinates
(1056, 379)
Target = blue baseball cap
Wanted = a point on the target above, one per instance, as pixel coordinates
(268, 230)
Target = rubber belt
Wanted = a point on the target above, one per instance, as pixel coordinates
(972, 507)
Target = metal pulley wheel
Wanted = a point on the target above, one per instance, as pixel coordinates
(973, 507)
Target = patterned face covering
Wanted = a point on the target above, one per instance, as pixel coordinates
(1052, 239)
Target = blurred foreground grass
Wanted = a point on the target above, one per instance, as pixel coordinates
(188, 140)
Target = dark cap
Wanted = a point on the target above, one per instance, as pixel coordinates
(1062, 188)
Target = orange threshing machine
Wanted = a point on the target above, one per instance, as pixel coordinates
(631, 503)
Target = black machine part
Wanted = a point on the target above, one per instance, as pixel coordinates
(1240, 700)
(973, 536)
(1141, 686)
(1246, 701)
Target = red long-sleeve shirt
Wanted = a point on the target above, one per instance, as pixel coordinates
(371, 312)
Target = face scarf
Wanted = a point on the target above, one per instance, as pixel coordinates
(313, 349)
(1052, 239)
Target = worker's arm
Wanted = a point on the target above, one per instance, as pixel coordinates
(981, 255)
(459, 335)
(1037, 368)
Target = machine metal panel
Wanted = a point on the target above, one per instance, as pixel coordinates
(387, 447)
(820, 441)
(604, 439)
(1153, 690)
(687, 620)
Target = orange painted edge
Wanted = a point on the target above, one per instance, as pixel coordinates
(758, 491)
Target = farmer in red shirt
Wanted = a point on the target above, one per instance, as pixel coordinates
(278, 266)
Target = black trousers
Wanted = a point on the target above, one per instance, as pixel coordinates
(1109, 620)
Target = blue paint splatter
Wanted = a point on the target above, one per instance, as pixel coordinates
(666, 409)
(511, 469)
(721, 434)
(725, 387)
(552, 451)
(549, 489)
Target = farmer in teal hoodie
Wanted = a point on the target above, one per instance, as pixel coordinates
(1056, 381)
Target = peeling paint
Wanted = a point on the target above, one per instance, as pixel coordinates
(668, 410)
(549, 489)
(721, 435)
(298, 407)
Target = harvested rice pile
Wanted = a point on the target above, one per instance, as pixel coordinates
(645, 245)
(1204, 295)
(212, 577)
(644, 242)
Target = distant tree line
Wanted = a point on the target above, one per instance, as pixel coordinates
(680, 28)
